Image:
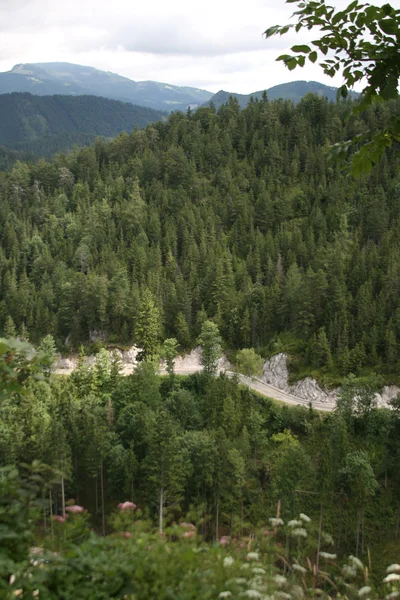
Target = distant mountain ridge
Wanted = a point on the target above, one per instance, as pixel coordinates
(293, 90)
(56, 123)
(46, 79)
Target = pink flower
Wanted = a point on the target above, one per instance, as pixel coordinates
(127, 534)
(75, 509)
(189, 534)
(224, 540)
(125, 505)
(58, 518)
(188, 525)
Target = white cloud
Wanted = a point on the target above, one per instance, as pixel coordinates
(215, 44)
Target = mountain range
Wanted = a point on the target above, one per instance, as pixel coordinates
(293, 90)
(47, 108)
(46, 79)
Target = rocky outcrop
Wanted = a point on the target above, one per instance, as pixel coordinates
(308, 389)
(389, 392)
(275, 372)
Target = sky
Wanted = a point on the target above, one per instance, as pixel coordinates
(211, 44)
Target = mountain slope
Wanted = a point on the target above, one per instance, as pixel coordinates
(58, 122)
(67, 78)
(293, 90)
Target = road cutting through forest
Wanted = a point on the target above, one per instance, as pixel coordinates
(264, 389)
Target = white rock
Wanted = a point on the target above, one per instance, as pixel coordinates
(68, 363)
(275, 372)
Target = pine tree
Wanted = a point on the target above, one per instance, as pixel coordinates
(147, 327)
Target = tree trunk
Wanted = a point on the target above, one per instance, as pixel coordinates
(160, 511)
(103, 518)
(44, 512)
(319, 539)
(51, 514)
(96, 495)
(357, 532)
(77, 479)
(362, 531)
(217, 520)
(62, 494)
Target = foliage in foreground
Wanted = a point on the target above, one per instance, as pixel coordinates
(361, 43)
(281, 561)
(203, 449)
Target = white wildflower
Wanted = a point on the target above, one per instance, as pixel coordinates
(253, 556)
(299, 532)
(297, 592)
(245, 566)
(392, 596)
(258, 571)
(393, 568)
(391, 577)
(257, 583)
(35, 593)
(328, 539)
(304, 518)
(280, 580)
(356, 562)
(299, 568)
(349, 571)
(224, 594)
(228, 561)
(295, 523)
(364, 591)
(240, 580)
(275, 522)
(282, 596)
(251, 594)
(12, 580)
(327, 556)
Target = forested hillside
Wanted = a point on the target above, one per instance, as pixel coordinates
(46, 124)
(234, 214)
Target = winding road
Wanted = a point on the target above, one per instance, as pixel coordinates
(270, 391)
(264, 389)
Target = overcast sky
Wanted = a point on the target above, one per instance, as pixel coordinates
(210, 44)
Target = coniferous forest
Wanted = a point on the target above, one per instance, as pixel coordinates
(235, 217)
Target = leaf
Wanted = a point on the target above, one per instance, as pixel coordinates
(313, 56)
(388, 26)
(340, 16)
(272, 31)
(303, 48)
(291, 64)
